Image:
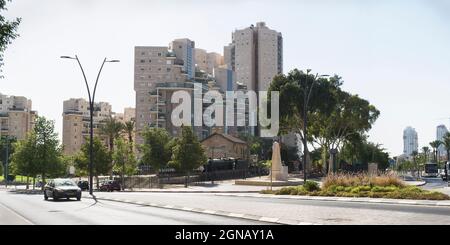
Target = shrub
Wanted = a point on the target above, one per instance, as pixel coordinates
(352, 180)
(311, 186)
(285, 191)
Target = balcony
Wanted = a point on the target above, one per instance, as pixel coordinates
(161, 102)
(171, 55)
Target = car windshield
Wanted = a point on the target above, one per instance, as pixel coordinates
(64, 182)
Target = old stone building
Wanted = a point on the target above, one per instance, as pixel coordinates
(220, 145)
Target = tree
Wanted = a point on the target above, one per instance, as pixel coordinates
(435, 145)
(335, 116)
(426, 152)
(350, 118)
(188, 153)
(362, 152)
(292, 89)
(129, 130)
(48, 150)
(6, 145)
(101, 159)
(124, 159)
(416, 162)
(156, 149)
(24, 158)
(8, 31)
(112, 129)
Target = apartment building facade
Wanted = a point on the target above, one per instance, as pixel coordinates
(17, 118)
(256, 55)
(76, 122)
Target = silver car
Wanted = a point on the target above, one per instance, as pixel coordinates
(62, 188)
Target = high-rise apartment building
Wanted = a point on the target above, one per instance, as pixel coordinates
(410, 141)
(441, 131)
(256, 55)
(208, 62)
(156, 68)
(184, 49)
(16, 116)
(76, 122)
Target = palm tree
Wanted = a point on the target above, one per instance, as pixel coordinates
(435, 145)
(112, 129)
(129, 130)
(426, 151)
(414, 155)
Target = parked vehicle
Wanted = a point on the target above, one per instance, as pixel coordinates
(62, 188)
(83, 184)
(431, 170)
(447, 168)
(110, 185)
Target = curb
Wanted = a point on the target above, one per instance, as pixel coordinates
(350, 199)
(209, 212)
(168, 191)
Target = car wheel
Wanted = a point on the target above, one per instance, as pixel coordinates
(79, 198)
(55, 198)
(45, 196)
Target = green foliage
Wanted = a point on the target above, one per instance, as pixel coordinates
(311, 186)
(157, 148)
(101, 159)
(24, 159)
(8, 31)
(188, 153)
(48, 150)
(124, 158)
(360, 151)
(343, 118)
(396, 192)
(7, 144)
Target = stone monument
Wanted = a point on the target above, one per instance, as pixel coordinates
(278, 171)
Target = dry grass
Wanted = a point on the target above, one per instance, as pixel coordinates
(352, 180)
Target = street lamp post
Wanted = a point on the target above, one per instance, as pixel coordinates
(306, 97)
(91, 114)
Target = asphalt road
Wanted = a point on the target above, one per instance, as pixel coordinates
(308, 211)
(434, 183)
(22, 209)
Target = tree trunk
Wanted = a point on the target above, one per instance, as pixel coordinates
(28, 184)
(34, 182)
(123, 176)
(98, 184)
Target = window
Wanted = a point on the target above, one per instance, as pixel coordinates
(142, 53)
(159, 54)
(149, 61)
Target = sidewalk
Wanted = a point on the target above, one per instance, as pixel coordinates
(217, 187)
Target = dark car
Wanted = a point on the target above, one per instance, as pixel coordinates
(62, 188)
(83, 184)
(110, 185)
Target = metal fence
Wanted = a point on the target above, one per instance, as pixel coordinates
(176, 178)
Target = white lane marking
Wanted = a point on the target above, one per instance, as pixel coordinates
(236, 215)
(17, 214)
(267, 219)
(209, 211)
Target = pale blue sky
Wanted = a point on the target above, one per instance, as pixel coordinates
(396, 54)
